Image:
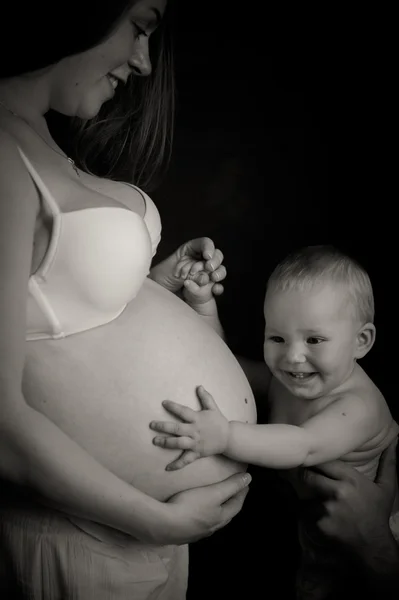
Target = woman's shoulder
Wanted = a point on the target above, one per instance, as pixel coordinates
(16, 186)
(8, 142)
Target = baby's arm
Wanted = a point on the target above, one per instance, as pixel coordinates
(344, 425)
(341, 427)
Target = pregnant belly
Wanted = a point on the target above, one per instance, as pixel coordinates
(104, 386)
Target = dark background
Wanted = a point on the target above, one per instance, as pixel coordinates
(282, 140)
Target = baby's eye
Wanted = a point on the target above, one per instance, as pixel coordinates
(277, 339)
(314, 340)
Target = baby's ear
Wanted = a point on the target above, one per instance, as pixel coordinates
(365, 339)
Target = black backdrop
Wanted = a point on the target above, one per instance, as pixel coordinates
(282, 139)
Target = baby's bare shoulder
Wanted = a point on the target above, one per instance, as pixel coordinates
(370, 402)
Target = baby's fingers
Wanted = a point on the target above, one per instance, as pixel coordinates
(206, 399)
(200, 278)
(196, 293)
(217, 289)
(185, 459)
(172, 428)
(191, 268)
(182, 443)
(179, 410)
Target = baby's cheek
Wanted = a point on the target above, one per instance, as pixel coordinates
(268, 355)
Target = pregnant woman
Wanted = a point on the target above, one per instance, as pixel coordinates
(89, 344)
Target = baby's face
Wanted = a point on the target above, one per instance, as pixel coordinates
(310, 339)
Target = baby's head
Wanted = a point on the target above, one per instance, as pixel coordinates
(319, 312)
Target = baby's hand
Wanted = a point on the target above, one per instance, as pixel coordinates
(201, 271)
(198, 261)
(202, 280)
(202, 433)
(199, 291)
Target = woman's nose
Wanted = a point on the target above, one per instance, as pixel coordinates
(140, 59)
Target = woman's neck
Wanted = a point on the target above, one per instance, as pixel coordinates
(26, 96)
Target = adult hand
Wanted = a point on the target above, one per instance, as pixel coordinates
(356, 510)
(199, 512)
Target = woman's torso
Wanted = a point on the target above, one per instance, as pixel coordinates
(103, 386)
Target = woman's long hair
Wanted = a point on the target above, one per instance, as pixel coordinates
(131, 137)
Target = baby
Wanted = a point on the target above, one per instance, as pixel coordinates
(319, 312)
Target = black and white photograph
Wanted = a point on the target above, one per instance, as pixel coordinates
(198, 262)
